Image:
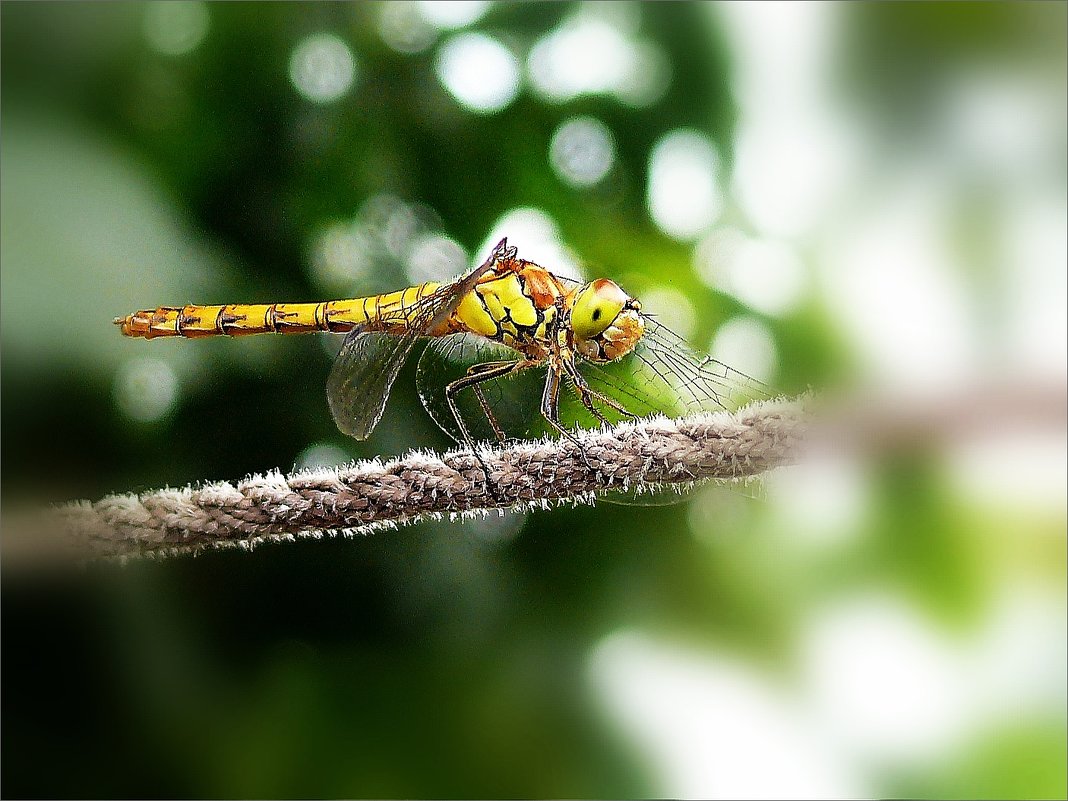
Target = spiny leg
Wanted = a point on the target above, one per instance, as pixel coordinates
(584, 393)
(550, 410)
(587, 401)
(476, 375)
(588, 393)
(487, 410)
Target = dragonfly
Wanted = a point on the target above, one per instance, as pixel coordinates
(513, 351)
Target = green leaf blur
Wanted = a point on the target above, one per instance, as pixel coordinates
(162, 154)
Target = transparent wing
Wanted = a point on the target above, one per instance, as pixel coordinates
(362, 377)
(708, 383)
(512, 402)
(369, 361)
(663, 375)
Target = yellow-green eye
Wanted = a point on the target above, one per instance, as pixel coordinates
(596, 305)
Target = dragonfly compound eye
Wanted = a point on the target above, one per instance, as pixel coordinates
(605, 321)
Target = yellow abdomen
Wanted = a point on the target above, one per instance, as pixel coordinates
(282, 318)
(512, 306)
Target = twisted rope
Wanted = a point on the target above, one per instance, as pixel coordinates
(357, 499)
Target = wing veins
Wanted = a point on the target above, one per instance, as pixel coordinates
(370, 360)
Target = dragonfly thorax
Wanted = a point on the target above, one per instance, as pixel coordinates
(605, 321)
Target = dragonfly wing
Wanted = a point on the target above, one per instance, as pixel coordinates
(362, 377)
(513, 400)
(703, 383)
(663, 375)
(370, 360)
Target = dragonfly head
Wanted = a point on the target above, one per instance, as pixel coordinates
(605, 321)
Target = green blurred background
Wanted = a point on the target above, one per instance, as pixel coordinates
(866, 194)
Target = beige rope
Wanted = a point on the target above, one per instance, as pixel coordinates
(362, 497)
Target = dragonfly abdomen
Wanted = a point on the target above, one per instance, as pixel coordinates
(240, 319)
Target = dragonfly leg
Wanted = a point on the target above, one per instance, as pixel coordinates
(550, 410)
(588, 393)
(586, 396)
(479, 369)
(490, 416)
(476, 375)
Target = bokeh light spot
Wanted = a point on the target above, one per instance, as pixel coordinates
(672, 308)
(341, 257)
(648, 79)
(709, 726)
(822, 502)
(683, 196)
(434, 257)
(747, 345)
(592, 54)
(452, 14)
(788, 170)
(538, 238)
(146, 389)
(387, 236)
(765, 275)
(884, 679)
(322, 68)
(321, 455)
(176, 28)
(582, 151)
(404, 28)
(897, 255)
(480, 72)
(794, 151)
